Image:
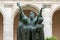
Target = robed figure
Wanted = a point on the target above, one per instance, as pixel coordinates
(30, 28)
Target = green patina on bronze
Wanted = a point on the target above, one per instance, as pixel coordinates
(30, 28)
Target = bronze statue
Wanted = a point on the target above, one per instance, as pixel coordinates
(30, 28)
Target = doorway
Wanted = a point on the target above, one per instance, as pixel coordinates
(56, 24)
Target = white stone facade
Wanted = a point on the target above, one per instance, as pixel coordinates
(8, 10)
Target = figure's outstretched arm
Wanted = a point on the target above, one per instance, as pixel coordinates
(21, 13)
(40, 12)
(39, 17)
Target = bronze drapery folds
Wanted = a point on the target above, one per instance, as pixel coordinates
(30, 28)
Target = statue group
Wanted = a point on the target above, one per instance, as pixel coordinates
(30, 28)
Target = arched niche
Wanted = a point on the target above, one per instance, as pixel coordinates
(56, 24)
(27, 10)
(1, 26)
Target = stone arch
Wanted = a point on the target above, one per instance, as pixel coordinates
(26, 8)
(56, 23)
(56, 8)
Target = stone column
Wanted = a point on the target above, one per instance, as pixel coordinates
(47, 22)
(8, 25)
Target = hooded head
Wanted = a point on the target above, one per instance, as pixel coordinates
(31, 15)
